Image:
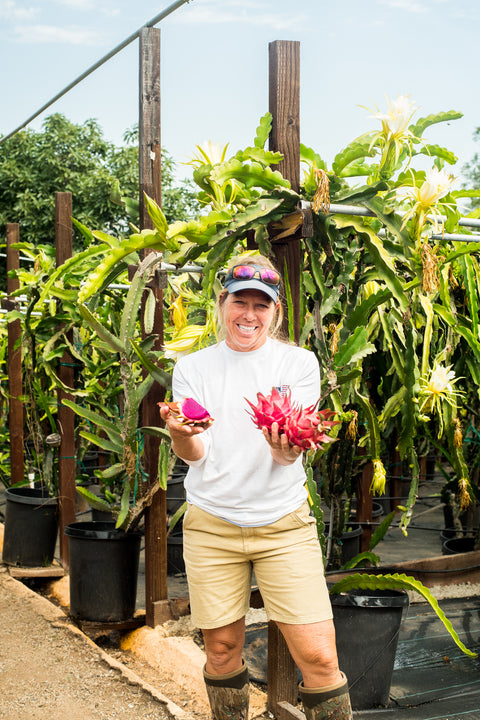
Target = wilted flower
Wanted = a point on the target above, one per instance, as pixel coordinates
(457, 434)
(463, 494)
(377, 486)
(430, 273)
(352, 427)
(321, 199)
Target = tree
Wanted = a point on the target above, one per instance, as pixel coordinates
(74, 158)
(471, 171)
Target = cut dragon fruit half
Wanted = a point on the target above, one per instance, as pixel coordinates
(189, 412)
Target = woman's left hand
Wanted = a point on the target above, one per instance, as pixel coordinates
(282, 452)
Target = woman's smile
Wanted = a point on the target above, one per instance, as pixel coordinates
(247, 316)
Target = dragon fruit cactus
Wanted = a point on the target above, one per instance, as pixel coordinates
(307, 428)
(189, 412)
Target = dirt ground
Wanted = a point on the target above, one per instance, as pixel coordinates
(50, 670)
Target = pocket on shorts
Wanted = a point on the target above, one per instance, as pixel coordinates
(299, 518)
(188, 517)
(302, 515)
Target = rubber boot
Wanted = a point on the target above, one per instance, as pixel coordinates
(228, 694)
(327, 703)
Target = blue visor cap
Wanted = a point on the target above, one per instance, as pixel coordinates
(236, 280)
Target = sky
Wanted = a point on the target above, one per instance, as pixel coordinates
(354, 54)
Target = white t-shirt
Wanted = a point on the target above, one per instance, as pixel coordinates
(237, 478)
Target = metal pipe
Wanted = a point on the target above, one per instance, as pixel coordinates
(453, 237)
(171, 8)
(336, 209)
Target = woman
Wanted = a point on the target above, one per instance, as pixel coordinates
(247, 504)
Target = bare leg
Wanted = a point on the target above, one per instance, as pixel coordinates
(224, 647)
(324, 690)
(313, 650)
(225, 673)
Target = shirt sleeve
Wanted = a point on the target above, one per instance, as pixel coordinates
(307, 389)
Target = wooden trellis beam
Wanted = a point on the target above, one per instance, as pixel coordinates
(284, 104)
(156, 591)
(66, 417)
(15, 405)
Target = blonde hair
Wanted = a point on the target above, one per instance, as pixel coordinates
(275, 329)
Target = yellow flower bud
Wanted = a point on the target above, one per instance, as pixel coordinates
(379, 477)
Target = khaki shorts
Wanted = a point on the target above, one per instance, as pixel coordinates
(285, 556)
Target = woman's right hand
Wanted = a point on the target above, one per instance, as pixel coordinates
(185, 444)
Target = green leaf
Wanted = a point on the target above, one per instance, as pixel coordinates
(156, 431)
(134, 244)
(176, 517)
(101, 420)
(163, 464)
(362, 557)
(288, 295)
(161, 376)
(251, 175)
(124, 514)
(353, 152)
(102, 442)
(308, 155)
(396, 581)
(423, 123)
(93, 500)
(110, 472)
(158, 218)
(111, 340)
(382, 529)
(263, 130)
(373, 426)
(440, 152)
(354, 348)
(149, 311)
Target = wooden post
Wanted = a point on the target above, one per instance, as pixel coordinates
(15, 405)
(284, 104)
(149, 150)
(156, 590)
(66, 421)
(364, 503)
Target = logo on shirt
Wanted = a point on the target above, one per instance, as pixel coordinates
(283, 389)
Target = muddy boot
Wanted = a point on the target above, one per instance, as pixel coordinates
(327, 703)
(228, 694)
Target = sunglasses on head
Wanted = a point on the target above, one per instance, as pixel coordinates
(248, 272)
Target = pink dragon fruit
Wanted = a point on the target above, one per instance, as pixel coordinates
(305, 428)
(189, 412)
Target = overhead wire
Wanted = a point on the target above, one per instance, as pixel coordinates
(161, 16)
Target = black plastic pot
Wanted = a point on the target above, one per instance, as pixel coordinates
(377, 510)
(367, 624)
(175, 492)
(103, 571)
(350, 541)
(456, 545)
(175, 561)
(31, 526)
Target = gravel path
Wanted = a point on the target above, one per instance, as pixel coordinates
(49, 670)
